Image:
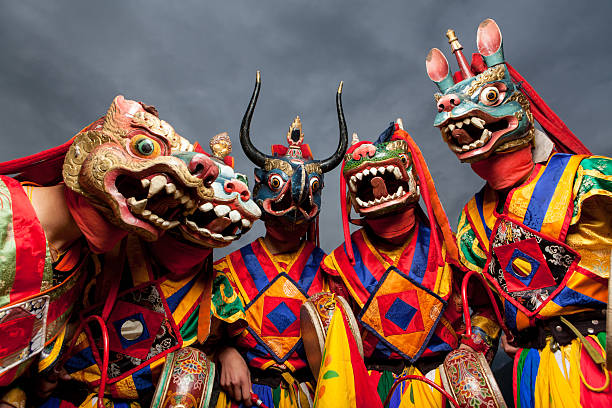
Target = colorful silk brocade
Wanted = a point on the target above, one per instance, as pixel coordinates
(550, 204)
(417, 314)
(402, 306)
(415, 394)
(547, 254)
(32, 288)
(167, 311)
(560, 376)
(272, 289)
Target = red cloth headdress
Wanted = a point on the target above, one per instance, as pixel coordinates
(435, 211)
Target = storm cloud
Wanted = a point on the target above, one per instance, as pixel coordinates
(64, 61)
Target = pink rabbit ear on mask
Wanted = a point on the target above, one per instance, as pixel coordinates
(488, 37)
(437, 65)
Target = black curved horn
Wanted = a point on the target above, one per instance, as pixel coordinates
(330, 163)
(249, 149)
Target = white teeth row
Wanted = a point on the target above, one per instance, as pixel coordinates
(222, 210)
(138, 207)
(479, 123)
(207, 233)
(398, 194)
(373, 171)
(484, 138)
(159, 183)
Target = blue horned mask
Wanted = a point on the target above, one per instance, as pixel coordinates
(289, 182)
(481, 111)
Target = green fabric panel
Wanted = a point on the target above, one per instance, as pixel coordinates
(519, 371)
(590, 182)
(384, 384)
(276, 396)
(226, 304)
(466, 237)
(7, 245)
(189, 329)
(601, 336)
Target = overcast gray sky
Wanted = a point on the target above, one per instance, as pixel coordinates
(64, 61)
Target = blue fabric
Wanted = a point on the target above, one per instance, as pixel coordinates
(436, 345)
(569, 297)
(143, 380)
(363, 273)
(524, 279)
(528, 379)
(421, 254)
(80, 361)
(51, 402)
(175, 299)
(479, 198)
(253, 266)
(400, 313)
(125, 343)
(282, 317)
(544, 190)
(396, 398)
(385, 136)
(510, 315)
(310, 270)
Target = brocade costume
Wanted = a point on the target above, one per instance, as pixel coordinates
(155, 313)
(134, 281)
(540, 230)
(391, 294)
(405, 296)
(555, 263)
(272, 288)
(28, 274)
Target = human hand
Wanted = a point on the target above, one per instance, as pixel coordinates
(235, 376)
(509, 349)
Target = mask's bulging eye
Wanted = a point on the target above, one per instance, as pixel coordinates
(404, 159)
(315, 184)
(493, 95)
(275, 182)
(145, 147)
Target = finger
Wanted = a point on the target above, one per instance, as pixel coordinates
(237, 393)
(246, 394)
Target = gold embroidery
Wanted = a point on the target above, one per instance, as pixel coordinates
(491, 74)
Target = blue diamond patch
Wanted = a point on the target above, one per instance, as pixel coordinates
(400, 313)
(282, 317)
(534, 265)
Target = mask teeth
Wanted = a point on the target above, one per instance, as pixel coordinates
(457, 48)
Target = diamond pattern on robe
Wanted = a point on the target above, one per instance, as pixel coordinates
(402, 314)
(273, 317)
(282, 317)
(524, 266)
(528, 267)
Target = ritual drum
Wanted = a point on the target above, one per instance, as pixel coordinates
(186, 380)
(466, 375)
(315, 316)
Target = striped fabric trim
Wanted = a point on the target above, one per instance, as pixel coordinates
(26, 268)
(252, 268)
(362, 278)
